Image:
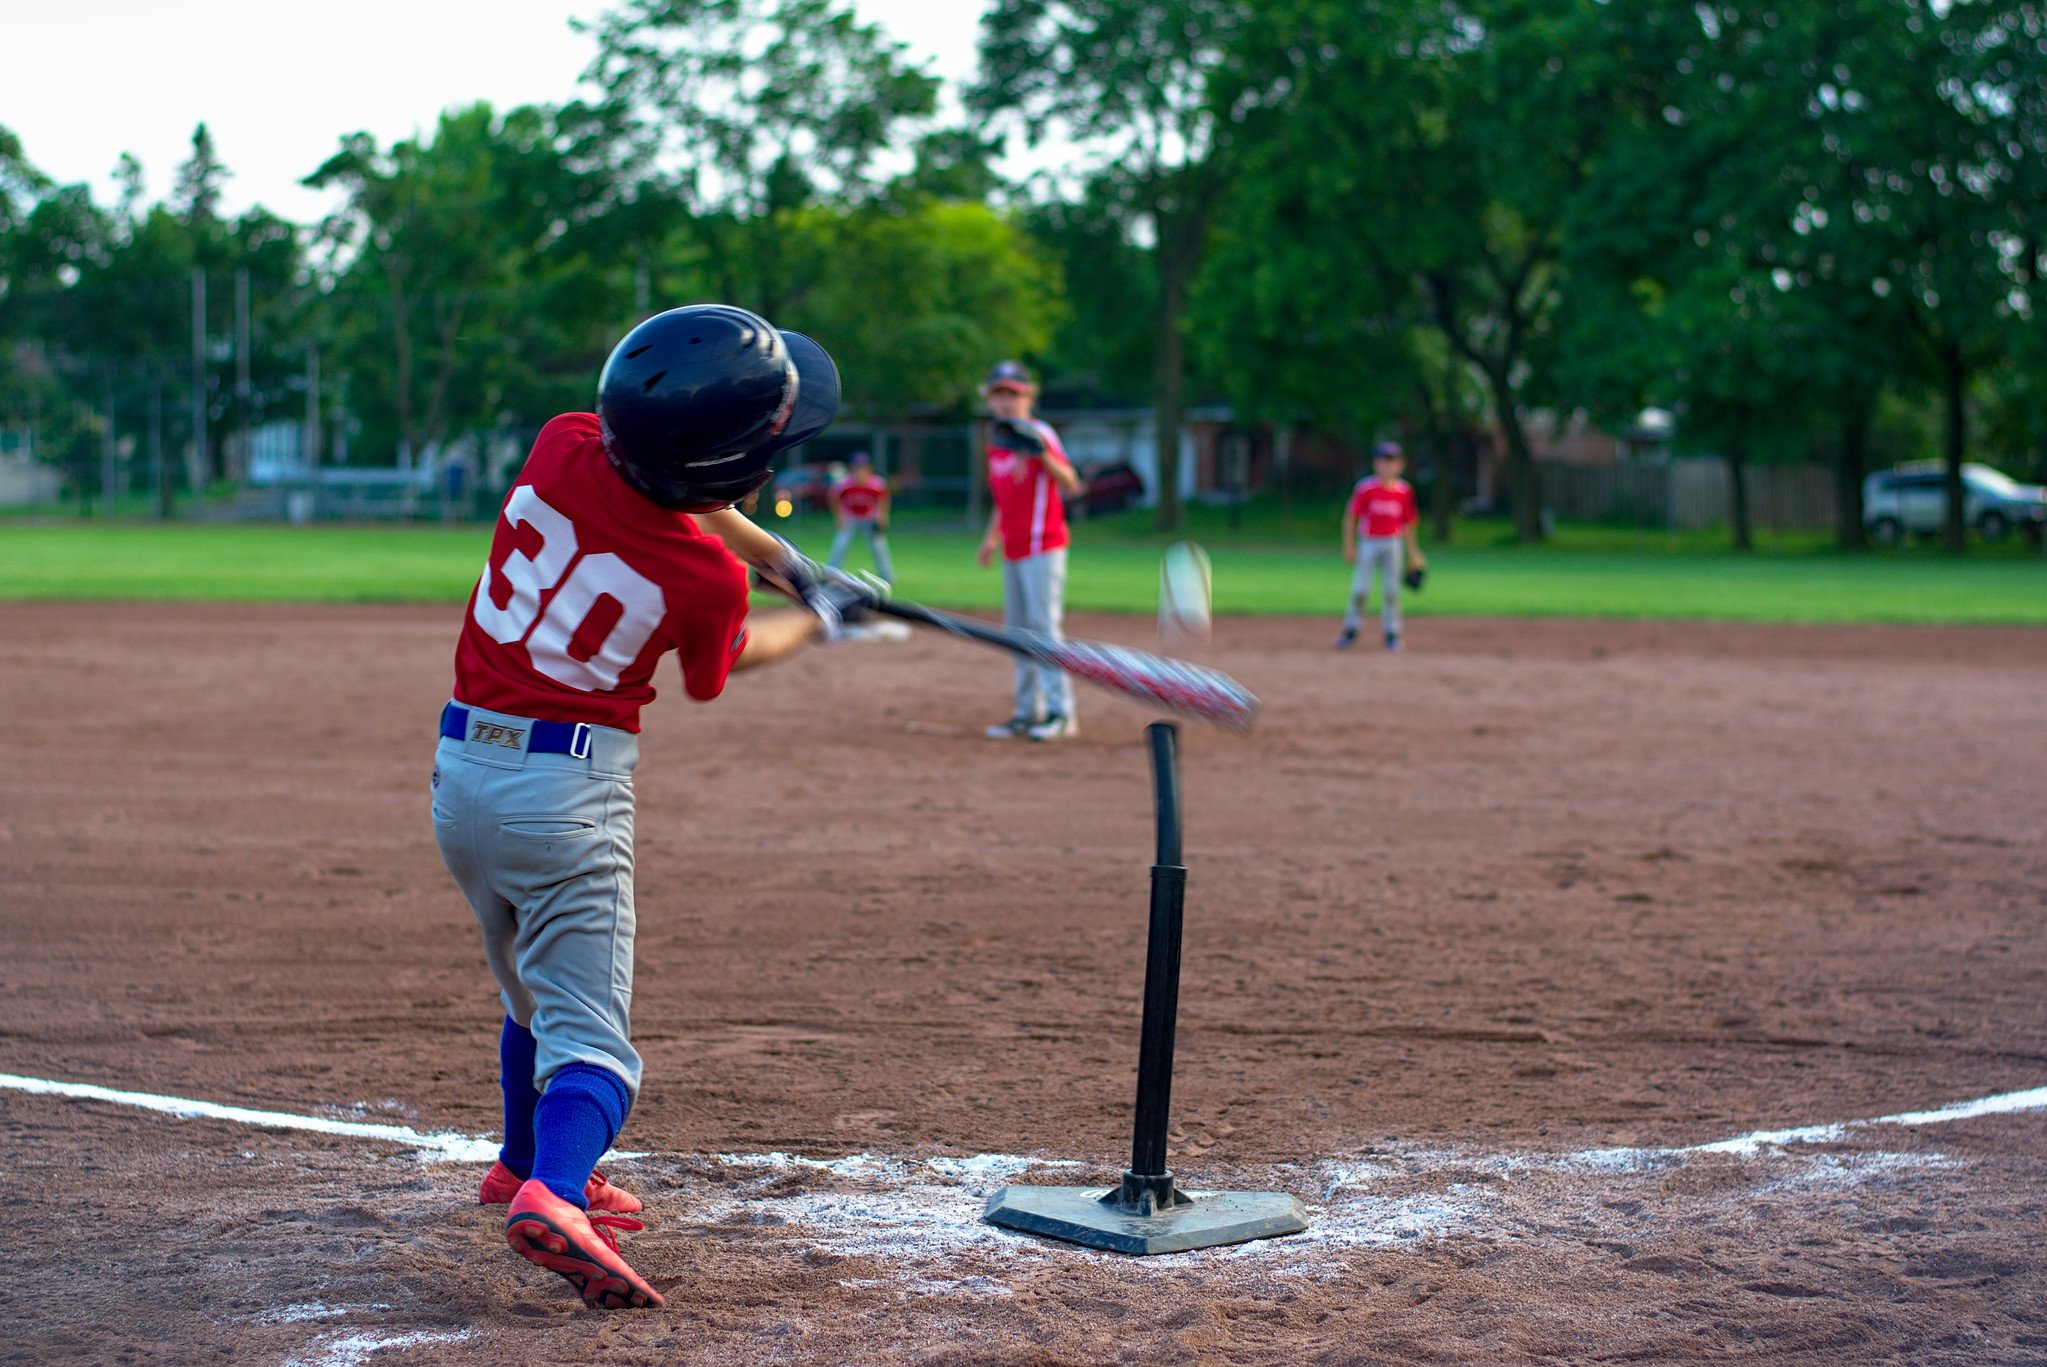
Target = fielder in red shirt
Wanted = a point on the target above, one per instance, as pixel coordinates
(1028, 472)
(1379, 538)
(617, 545)
(860, 508)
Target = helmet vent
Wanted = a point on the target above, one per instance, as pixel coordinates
(647, 387)
(639, 351)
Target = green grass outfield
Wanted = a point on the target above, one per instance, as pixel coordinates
(1583, 573)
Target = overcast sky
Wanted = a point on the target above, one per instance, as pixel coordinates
(279, 82)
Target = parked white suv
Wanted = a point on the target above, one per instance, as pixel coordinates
(1912, 498)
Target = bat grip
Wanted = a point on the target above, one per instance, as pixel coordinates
(958, 626)
(909, 612)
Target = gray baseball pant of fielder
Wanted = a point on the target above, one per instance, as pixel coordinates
(1385, 555)
(542, 846)
(877, 546)
(1034, 598)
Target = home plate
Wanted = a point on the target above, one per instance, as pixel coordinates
(876, 631)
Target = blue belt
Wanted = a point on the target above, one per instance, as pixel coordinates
(545, 738)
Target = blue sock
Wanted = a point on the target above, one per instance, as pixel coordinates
(515, 1075)
(579, 1115)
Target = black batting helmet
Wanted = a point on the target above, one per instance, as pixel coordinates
(696, 403)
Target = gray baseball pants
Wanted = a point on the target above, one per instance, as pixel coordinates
(1386, 557)
(542, 847)
(877, 546)
(1034, 597)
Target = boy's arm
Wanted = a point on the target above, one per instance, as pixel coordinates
(1058, 466)
(1062, 472)
(991, 540)
(881, 509)
(1350, 533)
(753, 544)
(776, 635)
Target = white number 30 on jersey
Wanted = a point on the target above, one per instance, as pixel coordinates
(595, 579)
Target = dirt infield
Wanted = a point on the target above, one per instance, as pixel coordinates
(1483, 941)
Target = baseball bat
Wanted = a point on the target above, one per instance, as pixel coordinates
(1172, 685)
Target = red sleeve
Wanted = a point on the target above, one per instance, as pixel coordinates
(1413, 511)
(1357, 504)
(712, 630)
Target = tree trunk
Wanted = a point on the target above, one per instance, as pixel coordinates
(1954, 535)
(1524, 484)
(1283, 471)
(1168, 392)
(1180, 205)
(1441, 497)
(1457, 444)
(450, 333)
(401, 358)
(1849, 533)
(1737, 499)
(1447, 450)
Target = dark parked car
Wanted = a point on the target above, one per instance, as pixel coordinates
(1107, 487)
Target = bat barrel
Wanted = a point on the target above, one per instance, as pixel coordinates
(1148, 1184)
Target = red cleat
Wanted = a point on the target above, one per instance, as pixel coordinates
(547, 1230)
(501, 1184)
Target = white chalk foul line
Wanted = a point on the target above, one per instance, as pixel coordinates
(2005, 1103)
(919, 1214)
(437, 1148)
(448, 1147)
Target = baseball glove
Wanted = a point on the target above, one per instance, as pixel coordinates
(1413, 578)
(1005, 435)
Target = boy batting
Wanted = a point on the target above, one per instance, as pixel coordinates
(616, 545)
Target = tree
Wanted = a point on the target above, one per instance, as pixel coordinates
(1104, 343)
(961, 283)
(766, 122)
(463, 285)
(1701, 275)
(1446, 151)
(1129, 79)
(1293, 258)
(195, 194)
(741, 111)
(1916, 112)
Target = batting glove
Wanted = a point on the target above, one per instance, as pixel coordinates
(842, 599)
(790, 571)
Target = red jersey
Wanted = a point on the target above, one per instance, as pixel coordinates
(1383, 509)
(1026, 499)
(587, 586)
(860, 495)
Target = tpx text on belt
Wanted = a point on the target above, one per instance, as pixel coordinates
(546, 738)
